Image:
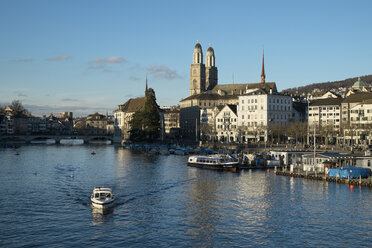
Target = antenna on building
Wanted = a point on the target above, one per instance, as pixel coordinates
(233, 78)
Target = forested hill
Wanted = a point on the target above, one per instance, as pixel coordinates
(347, 83)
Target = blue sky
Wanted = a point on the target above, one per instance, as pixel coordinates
(88, 56)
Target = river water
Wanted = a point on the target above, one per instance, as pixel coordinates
(161, 202)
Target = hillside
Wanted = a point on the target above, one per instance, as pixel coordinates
(347, 83)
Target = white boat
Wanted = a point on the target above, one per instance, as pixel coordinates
(214, 162)
(102, 197)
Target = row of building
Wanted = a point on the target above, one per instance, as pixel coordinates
(250, 112)
(61, 123)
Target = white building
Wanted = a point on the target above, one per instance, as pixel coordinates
(226, 124)
(260, 109)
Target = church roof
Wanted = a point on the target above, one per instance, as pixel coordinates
(133, 105)
(198, 45)
(209, 96)
(238, 89)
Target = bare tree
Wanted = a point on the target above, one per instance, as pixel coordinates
(18, 108)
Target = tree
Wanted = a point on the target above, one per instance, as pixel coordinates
(18, 108)
(145, 124)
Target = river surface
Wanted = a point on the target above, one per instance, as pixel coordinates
(161, 202)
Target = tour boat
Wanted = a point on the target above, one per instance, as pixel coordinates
(102, 197)
(215, 162)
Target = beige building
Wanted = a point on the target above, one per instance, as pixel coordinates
(171, 118)
(326, 113)
(96, 124)
(357, 118)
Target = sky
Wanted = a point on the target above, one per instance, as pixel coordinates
(90, 56)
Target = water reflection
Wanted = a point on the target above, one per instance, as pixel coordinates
(202, 208)
(100, 216)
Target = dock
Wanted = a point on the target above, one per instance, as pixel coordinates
(321, 177)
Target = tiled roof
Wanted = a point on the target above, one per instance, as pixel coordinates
(358, 97)
(327, 101)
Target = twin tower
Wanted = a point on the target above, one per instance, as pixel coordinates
(202, 77)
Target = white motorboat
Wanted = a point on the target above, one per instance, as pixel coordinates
(102, 197)
(214, 162)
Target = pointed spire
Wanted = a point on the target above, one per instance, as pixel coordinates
(146, 83)
(263, 76)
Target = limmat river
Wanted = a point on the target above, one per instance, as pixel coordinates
(161, 202)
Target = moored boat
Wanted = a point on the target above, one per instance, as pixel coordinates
(102, 197)
(214, 162)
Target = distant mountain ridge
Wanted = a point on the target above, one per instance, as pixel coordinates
(326, 86)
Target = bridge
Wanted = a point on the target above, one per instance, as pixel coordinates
(29, 138)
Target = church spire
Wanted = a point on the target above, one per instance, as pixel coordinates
(263, 76)
(146, 83)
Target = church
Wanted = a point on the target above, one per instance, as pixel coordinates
(206, 94)
(204, 88)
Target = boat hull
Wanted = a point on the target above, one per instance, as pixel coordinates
(232, 167)
(100, 205)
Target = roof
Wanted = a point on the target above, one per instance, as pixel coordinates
(8, 109)
(358, 97)
(133, 104)
(96, 116)
(238, 88)
(232, 107)
(172, 110)
(328, 155)
(327, 101)
(209, 96)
